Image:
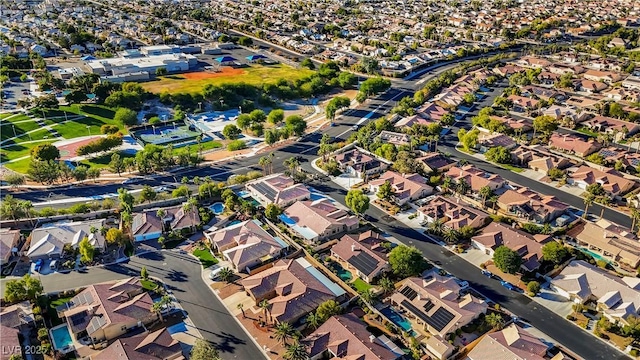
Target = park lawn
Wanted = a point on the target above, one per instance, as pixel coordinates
(102, 161)
(15, 151)
(361, 285)
(6, 130)
(36, 135)
(20, 166)
(205, 257)
(72, 129)
(253, 75)
(15, 118)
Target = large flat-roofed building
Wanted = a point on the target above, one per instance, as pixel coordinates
(122, 65)
(155, 50)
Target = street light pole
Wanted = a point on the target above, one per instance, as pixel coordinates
(89, 129)
(14, 130)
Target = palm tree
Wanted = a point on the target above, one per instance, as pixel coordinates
(495, 321)
(11, 207)
(157, 306)
(448, 184)
(225, 274)
(386, 284)
(313, 321)
(271, 156)
(283, 332)
(126, 218)
(635, 215)
(368, 296)
(292, 163)
(27, 206)
(463, 187)
(161, 213)
(191, 206)
(264, 305)
(485, 192)
(451, 236)
(603, 201)
(263, 162)
(296, 351)
(493, 200)
(241, 307)
(588, 201)
(437, 226)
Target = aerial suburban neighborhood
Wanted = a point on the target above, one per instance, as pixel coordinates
(369, 180)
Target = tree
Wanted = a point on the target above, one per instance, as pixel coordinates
(264, 305)
(231, 132)
(126, 116)
(126, 200)
(347, 80)
(296, 124)
(245, 41)
(335, 105)
(272, 211)
(45, 152)
(284, 330)
(115, 236)
(276, 116)
(407, 261)
(468, 139)
(25, 288)
(44, 172)
(307, 63)
(144, 274)
(595, 189)
(386, 284)
(75, 97)
(312, 320)
(225, 274)
(498, 154)
(555, 173)
(451, 236)
(87, 251)
(327, 309)
(533, 287)
(589, 198)
(507, 260)
(93, 173)
(158, 306)
(203, 350)
(385, 191)
(485, 192)
(14, 179)
(161, 71)
(116, 164)
(368, 296)
(554, 251)
(495, 321)
(357, 201)
(148, 193)
(46, 102)
(462, 187)
(545, 124)
(296, 351)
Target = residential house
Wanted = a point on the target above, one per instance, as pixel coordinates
(436, 162)
(531, 206)
(573, 144)
(409, 121)
(632, 82)
(619, 128)
(519, 126)
(347, 337)
(454, 212)
(148, 225)
(406, 187)
(523, 104)
(607, 77)
(277, 189)
(319, 220)
(511, 343)
(362, 253)
(9, 243)
(539, 159)
(533, 62)
(543, 93)
(436, 303)
(359, 163)
(246, 245)
(618, 42)
(476, 177)
(394, 138)
(612, 154)
(562, 69)
(49, 241)
(589, 86)
(566, 113)
(617, 298)
(609, 240)
(528, 246)
(293, 288)
(14, 319)
(104, 312)
(548, 78)
(612, 181)
(157, 345)
(488, 140)
(507, 70)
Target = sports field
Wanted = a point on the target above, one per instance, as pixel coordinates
(254, 75)
(166, 135)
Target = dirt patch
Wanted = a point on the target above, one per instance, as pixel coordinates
(200, 75)
(68, 151)
(230, 289)
(224, 154)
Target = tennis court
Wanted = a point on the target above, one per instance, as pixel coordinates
(166, 135)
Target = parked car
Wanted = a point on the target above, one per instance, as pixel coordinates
(215, 271)
(507, 285)
(38, 265)
(53, 265)
(487, 273)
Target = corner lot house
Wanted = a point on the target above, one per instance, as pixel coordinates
(347, 337)
(293, 288)
(104, 312)
(9, 242)
(357, 162)
(616, 297)
(49, 240)
(318, 220)
(147, 225)
(406, 188)
(246, 244)
(436, 303)
(363, 253)
(277, 189)
(511, 343)
(528, 246)
(158, 345)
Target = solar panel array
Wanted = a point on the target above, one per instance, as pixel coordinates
(96, 323)
(428, 306)
(77, 319)
(364, 262)
(409, 293)
(83, 299)
(438, 320)
(266, 190)
(608, 152)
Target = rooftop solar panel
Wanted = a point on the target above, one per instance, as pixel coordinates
(409, 293)
(266, 190)
(364, 262)
(428, 306)
(438, 320)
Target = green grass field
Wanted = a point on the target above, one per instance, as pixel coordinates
(13, 118)
(205, 257)
(361, 285)
(253, 75)
(6, 130)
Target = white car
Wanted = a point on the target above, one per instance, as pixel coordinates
(215, 271)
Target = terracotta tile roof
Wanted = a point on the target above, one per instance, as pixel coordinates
(610, 180)
(370, 243)
(319, 215)
(619, 242)
(476, 177)
(347, 337)
(575, 144)
(404, 186)
(8, 239)
(358, 160)
(524, 102)
(148, 346)
(457, 214)
(10, 342)
(511, 343)
(279, 189)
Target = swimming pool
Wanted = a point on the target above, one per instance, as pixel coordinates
(244, 194)
(234, 222)
(61, 339)
(594, 254)
(342, 273)
(217, 208)
(398, 319)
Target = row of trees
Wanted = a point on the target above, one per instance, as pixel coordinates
(103, 144)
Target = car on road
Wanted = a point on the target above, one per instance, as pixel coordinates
(487, 273)
(354, 127)
(38, 265)
(161, 188)
(507, 285)
(133, 180)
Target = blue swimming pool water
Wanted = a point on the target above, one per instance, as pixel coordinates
(342, 273)
(217, 208)
(243, 193)
(398, 319)
(177, 328)
(61, 337)
(594, 254)
(234, 222)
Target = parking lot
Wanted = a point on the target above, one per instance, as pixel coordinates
(14, 91)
